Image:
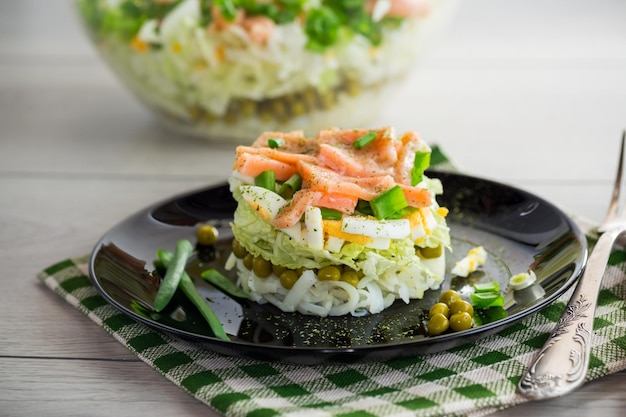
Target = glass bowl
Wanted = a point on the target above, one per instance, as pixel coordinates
(231, 69)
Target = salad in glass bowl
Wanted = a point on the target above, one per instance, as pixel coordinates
(228, 69)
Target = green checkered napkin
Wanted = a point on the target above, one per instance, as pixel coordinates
(471, 380)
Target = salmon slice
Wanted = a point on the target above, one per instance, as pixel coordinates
(295, 142)
(253, 164)
(343, 203)
(376, 158)
(411, 144)
(292, 212)
(348, 162)
(329, 182)
(416, 196)
(277, 154)
(335, 135)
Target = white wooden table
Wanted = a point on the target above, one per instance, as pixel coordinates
(531, 93)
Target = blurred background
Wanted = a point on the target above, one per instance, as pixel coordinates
(522, 80)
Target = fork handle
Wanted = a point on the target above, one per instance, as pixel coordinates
(561, 365)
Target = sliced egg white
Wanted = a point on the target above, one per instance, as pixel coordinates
(391, 229)
(334, 244)
(476, 257)
(265, 202)
(314, 228)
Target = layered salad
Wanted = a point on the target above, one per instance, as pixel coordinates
(345, 222)
(233, 68)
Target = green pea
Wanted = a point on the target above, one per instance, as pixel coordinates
(288, 278)
(238, 250)
(439, 308)
(248, 108)
(460, 321)
(449, 296)
(298, 108)
(310, 98)
(350, 276)
(461, 306)
(262, 268)
(438, 324)
(231, 116)
(278, 269)
(328, 100)
(265, 113)
(329, 273)
(353, 87)
(247, 261)
(207, 234)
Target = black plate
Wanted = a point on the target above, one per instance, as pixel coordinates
(519, 230)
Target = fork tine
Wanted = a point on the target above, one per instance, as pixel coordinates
(617, 185)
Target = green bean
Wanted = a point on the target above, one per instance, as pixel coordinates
(170, 281)
(213, 276)
(189, 289)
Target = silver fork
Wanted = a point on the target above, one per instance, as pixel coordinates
(561, 365)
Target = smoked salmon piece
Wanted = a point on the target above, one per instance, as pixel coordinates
(346, 162)
(416, 196)
(292, 212)
(327, 181)
(411, 144)
(382, 150)
(334, 168)
(294, 142)
(343, 203)
(254, 164)
(277, 154)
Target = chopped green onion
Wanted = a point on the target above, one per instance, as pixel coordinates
(389, 202)
(489, 315)
(407, 211)
(486, 300)
(330, 214)
(322, 28)
(420, 163)
(364, 207)
(487, 295)
(364, 140)
(266, 179)
(275, 142)
(228, 9)
(214, 277)
(289, 187)
(487, 287)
